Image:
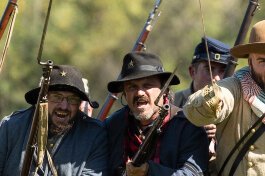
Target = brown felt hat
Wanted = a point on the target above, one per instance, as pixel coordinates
(138, 65)
(63, 78)
(256, 42)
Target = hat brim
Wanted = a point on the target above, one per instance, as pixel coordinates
(211, 60)
(117, 86)
(242, 51)
(32, 95)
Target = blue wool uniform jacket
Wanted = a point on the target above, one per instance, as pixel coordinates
(183, 146)
(82, 150)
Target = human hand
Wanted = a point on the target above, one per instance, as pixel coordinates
(212, 146)
(132, 170)
(213, 97)
(210, 130)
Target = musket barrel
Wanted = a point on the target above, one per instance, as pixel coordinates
(6, 16)
(138, 46)
(252, 6)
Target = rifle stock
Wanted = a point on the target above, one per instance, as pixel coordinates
(6, 16)
(138, 46)
(252, 6)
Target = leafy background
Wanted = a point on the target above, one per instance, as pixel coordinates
(95, 35)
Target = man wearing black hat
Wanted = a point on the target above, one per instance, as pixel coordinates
(237, 106)
(76, 143)
(201, 76)
(181, 148)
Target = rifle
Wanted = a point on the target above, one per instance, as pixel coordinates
(252, 6)
(39, 125)
(138, 46)
(143, 154)
(41, 102)
(11, 5)
(11, 8)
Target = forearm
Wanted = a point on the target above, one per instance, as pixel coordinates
(201, 111)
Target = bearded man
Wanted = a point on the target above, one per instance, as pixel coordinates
(180, 149)
(237, 106)
(76, 144)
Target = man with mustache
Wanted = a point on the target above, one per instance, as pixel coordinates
(180, 149)
(76, 143)
(235, 104)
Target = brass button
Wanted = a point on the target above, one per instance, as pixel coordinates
(51, 145)
(252, 147)
(253, 130)
(250, 164)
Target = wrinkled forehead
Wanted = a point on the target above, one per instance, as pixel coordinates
(256, 55)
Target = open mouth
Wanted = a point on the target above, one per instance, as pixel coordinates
(141, 103)
(61, 115)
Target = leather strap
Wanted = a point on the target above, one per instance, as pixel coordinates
(51, 164)
(245, 148)
(239, 143)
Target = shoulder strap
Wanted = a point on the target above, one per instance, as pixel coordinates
(239, 143)
(245, 148)
(51, 164)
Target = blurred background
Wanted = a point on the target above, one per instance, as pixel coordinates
(95, 35)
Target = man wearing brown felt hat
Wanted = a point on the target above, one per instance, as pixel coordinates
(235, 104)
(256, 42)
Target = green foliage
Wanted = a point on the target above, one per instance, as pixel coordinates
(95, 35)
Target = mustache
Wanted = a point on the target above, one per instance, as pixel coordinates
(140, 98)
(61, 110)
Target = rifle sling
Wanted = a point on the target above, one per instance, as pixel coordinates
(245, 148)
(239, 143)
(51, 164)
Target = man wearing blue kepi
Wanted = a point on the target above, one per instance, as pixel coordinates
(180, 149)
(199, 68)
(200, 74)
(76, 143)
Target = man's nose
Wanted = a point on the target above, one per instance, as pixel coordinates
(140, 91)
(64, 103)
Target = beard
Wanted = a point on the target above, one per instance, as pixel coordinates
(143, 116)
(146, 113)
(58, 128)
(258, 78)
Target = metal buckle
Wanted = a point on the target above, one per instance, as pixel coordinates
(217, 56)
